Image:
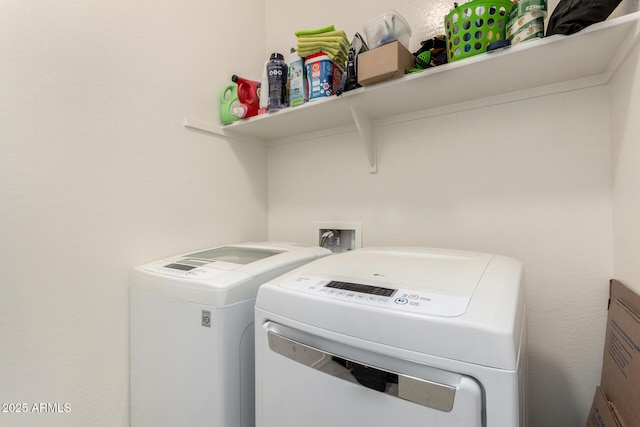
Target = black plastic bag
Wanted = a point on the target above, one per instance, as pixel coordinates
(571, 16)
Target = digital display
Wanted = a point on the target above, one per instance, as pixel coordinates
(365, 289)
(180, 267)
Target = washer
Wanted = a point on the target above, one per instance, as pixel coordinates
(192, 335)
(393, 337)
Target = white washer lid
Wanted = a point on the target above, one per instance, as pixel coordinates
(451, 273)
(222, 275)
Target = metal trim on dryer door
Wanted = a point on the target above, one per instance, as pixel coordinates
(416, 390)
(436, 392)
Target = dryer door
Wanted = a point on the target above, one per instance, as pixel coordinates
(312, 381)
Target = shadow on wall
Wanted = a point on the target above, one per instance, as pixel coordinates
(561, 406)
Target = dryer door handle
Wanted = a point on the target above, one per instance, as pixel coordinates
(287, 342)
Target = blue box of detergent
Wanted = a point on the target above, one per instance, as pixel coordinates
(323, 76)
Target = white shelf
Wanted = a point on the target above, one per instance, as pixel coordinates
(589, 57)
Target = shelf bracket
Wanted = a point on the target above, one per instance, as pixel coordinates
(367, 135)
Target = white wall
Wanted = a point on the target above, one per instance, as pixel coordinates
(625, 134)
(528, 179)
(97, 174)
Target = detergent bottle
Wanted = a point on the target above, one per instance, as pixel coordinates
(231, 109)
(248, 94)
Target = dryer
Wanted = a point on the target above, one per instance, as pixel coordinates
(192, 335)
(393, 336)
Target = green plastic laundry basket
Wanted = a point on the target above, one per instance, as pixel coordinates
(471, 27)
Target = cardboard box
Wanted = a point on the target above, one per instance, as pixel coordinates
(602, 412)
(620, 380)
(383, 63)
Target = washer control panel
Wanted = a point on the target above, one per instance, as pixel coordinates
(414, 301)
(187, 268)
